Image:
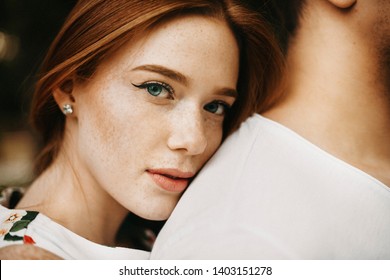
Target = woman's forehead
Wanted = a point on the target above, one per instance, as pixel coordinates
(183, 44)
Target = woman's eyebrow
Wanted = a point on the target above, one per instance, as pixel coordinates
(177, 76)
(174, 75)
(228, 92)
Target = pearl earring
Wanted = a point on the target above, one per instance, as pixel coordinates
(67, 109)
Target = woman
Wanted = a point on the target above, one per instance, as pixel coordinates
(134, 98)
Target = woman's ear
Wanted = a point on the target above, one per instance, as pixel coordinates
(63, 95)
(343, 4)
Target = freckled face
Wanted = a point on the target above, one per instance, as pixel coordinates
(152, 115)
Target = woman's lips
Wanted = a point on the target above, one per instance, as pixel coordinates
(171, 180)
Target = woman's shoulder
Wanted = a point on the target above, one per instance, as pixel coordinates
(15, 243)
(21, 227)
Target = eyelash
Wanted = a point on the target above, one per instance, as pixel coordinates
(225, 106)
(165, 86)
(171, 92)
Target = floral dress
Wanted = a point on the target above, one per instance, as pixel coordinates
(31, 227)
(14, 226)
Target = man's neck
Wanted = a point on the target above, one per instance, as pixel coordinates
(336, 97)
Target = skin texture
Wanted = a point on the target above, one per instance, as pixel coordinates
(337, 91)
(26, 252)
(119, 130)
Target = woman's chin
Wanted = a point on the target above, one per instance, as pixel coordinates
(157, 213)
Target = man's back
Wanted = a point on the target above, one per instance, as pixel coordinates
(270, 194)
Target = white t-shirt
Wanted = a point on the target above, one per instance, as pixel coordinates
(270, 194)
(30, 227)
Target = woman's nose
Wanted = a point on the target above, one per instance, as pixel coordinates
(188, 133)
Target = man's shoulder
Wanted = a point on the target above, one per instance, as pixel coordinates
(257, 135)
(258, 127)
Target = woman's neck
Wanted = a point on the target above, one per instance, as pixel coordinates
(67, 194)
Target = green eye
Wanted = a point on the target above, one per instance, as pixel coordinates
(154, 89)
(157, 89)
(217, 107)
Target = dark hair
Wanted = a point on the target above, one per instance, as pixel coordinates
(96, 29)
(284, 16)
